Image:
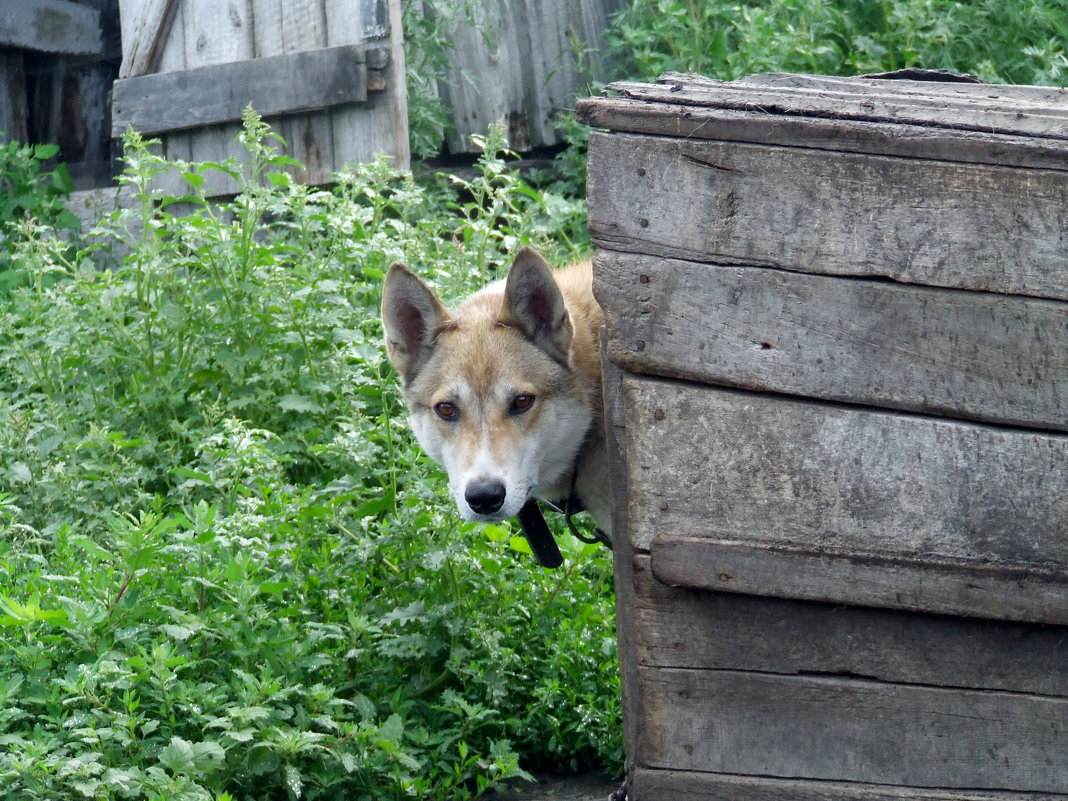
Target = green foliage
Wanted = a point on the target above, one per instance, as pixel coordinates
(29, 197)
(429, 27)
(226, 569)
(1009, 41)
(1002, 41)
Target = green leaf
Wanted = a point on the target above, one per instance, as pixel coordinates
(61, 179)
(293, 781)
(92, 548)
(45, 152)
(298, 403)
(520, 545)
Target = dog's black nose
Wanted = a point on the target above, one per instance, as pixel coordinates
(485, 496)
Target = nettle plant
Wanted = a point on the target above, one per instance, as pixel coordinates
(226, 571)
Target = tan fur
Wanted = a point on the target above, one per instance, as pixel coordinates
(479, 358)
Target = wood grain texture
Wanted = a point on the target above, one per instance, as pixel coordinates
(962, 354)
(685, 628)
(51, 26)
(917, 584)
(13, 110)
(916, 221)
(850, 730)
(380, 126)
(526, 62)
(855, 136)
(237, 34)
(146, 26)
(300, 82)
(664, 785)
(623, 564)
(1038, 112)
(769, 470)
(283, 28)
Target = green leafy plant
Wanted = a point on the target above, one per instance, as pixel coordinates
(30, 197)
(226, 570)
(998, 40)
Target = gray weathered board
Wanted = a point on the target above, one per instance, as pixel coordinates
(699, 630)
(50, 26)
(917, 221)
(845, 504)
(765, 109)
(524, 62)
(297, 83)
(989, 357)
(677, 785)
(847, 729)
(326, 118)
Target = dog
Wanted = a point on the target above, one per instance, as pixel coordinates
(505, 390)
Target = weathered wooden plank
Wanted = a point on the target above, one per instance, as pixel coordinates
(210, 95)
(917, 584)
(665, 785)
(291, 27)
(526, 62)
(850, 730)
(1053, 99)
(854, 136)
(684, 628)
(146, 26)
(381, 125)
(51, 26)
(769, 470)
(991, 109)
(627, 633)
(13, 111)
(962, 354)
(925, 222)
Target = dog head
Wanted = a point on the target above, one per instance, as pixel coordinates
(490, 387)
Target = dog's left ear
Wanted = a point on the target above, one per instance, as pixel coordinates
(534, 306)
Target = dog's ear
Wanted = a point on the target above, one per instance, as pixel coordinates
(534, 306)
(411, 317)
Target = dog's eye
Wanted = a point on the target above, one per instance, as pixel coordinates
(521, 403)
(447, 410)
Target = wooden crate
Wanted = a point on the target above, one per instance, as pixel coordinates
(837, 395)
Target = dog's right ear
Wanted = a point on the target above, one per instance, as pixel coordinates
(411, 317)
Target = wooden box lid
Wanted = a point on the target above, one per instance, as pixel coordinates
(940, 115)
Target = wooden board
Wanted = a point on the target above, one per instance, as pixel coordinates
(524, 63)
(1030, 111)
(623, 563)
(876, 488)
(300, 82)
(51, 26)
(684, 628)
(851, 730)
(664, 785)
(175, 37)
(853, 136)
(910, 220)
(13, 111)
(962, 354)
(920, 583)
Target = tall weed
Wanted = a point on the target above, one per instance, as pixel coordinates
(226, 570)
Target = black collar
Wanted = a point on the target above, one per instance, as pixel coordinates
(540, 539)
